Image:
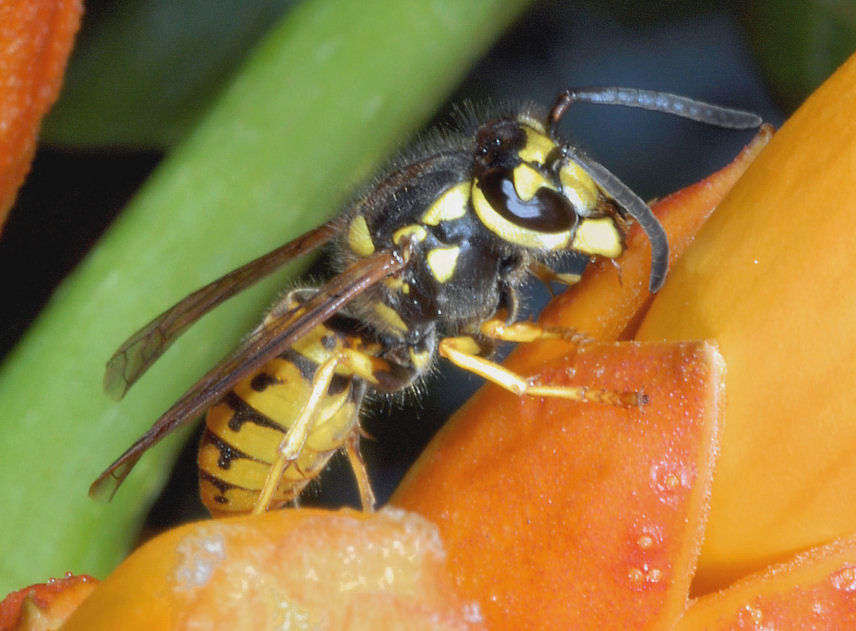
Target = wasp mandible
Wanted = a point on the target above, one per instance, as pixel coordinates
(428, 260)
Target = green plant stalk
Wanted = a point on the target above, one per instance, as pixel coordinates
(329, 92)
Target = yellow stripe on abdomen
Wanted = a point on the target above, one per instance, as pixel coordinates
(245, 430)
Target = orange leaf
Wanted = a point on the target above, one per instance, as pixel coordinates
(771, 279)
(562, 515)
(35, 41)
(815, 590)
(288, 569)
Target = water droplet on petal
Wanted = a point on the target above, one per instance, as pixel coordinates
(749, 617)
(670, 479)
(844, 579)
(646, 542)
(646, 535)
(644, 576)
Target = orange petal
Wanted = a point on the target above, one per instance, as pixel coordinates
(771, 278)
(612, 293)
(816, 590)
(562, 515)
(35, 41)
(287, 569)
(46, 605)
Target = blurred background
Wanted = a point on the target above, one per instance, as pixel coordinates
(144, 70)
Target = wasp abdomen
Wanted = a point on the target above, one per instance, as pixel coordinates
(244, 430)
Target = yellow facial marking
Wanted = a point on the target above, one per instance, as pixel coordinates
(537, 147)
(527, 181)
(598, 236)
(513, 233)
(389, 316)
(415, 231)
(450, 205)
(442, 262)
(578, 188)
(359, 239)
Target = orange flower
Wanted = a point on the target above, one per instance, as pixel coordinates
(770, 278)
(36, 38)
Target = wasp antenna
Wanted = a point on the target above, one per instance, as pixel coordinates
(636, 208)
(663, 102)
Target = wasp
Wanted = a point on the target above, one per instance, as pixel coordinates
(427, 260)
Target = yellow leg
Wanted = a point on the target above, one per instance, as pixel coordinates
(352, 448)
(291, 445)
(463, 352)
(530, 332)
(548, 275)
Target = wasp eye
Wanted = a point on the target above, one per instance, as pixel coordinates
(546, 211)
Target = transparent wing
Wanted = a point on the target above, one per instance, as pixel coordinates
(143, 348)
(265, 343)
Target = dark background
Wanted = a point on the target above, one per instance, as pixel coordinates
(689, 48)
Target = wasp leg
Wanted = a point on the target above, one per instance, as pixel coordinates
(289, 449)
(548, 275)
(352, 448)
(497, 329)
(463, 352)
(292, 443)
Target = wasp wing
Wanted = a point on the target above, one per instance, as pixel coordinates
(141, 350)
(262, 345)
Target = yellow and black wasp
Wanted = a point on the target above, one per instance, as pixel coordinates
(428, 259)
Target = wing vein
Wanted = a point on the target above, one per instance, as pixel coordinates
(262, 345)
(143, 348)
